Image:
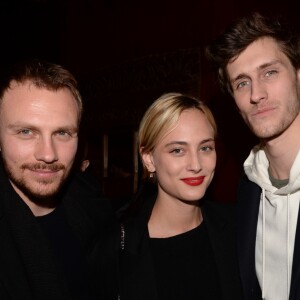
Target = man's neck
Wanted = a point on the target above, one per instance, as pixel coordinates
(39, 211)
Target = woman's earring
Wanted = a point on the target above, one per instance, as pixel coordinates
(151, 175)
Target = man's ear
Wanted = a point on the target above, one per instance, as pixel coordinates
(148, 161)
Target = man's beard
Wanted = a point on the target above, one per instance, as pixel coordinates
(37, 195)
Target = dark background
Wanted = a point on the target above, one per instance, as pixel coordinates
(127, 53)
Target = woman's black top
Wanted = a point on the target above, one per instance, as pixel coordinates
(185, 266)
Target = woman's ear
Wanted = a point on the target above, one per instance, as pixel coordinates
(148, 161)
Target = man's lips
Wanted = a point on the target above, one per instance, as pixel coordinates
(44, 172)
(263, 111)
(193, 181)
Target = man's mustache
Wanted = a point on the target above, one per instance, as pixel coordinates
(54, 167)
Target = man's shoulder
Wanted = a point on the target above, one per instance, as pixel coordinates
(248, 197)
(81, 193)
(84, 183)
(246, 185)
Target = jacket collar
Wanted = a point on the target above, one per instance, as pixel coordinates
(36, 259)
(248, 207)
(136, 226)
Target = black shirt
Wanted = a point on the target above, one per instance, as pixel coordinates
(185, 267)
(67, 251)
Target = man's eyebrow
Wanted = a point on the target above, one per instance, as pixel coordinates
(269, 64)
(240, 76)
(19, 125)
(67, 128)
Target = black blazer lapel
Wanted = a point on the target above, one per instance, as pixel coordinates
(136, 257)
(136, 283)
(248, 207)
(295, 282)
(220, 221)
(14, 283)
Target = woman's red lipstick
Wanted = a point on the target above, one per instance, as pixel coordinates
(193, 181)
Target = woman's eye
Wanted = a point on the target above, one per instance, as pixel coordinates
(176, 151)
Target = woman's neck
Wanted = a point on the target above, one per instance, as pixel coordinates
(172, 217)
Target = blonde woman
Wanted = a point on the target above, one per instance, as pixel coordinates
(174, 243)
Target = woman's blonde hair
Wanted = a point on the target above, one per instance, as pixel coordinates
(162, 116)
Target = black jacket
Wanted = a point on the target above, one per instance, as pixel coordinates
(27, 267)
(129, 272)
(248, 208)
